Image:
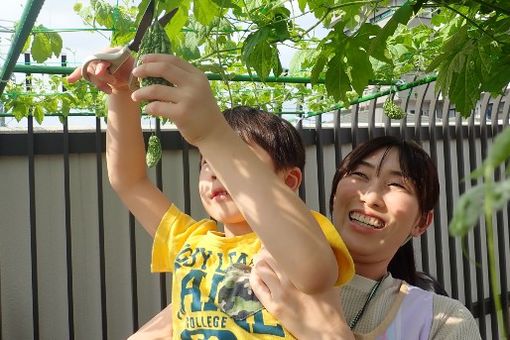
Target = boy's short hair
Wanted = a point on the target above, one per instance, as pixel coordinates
(272, 133)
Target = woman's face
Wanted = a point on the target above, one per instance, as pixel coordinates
(376, 209)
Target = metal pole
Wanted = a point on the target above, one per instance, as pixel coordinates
(28, 17)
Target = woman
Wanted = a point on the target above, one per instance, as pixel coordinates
(383, 195)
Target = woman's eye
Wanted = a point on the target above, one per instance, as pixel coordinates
(398, 184)
(359, 174)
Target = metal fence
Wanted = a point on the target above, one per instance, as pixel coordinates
(75, 265)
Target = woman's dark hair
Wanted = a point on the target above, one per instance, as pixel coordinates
(403, 266)
(427, 282)
(275, 135)
(418, 168)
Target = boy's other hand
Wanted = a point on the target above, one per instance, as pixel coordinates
(101, 77)
(190, 103)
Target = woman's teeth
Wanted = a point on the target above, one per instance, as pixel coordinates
(367, 221)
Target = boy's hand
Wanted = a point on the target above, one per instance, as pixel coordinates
(101, 77)
(190, 103)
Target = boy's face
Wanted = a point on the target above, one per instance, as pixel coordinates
(215, 198)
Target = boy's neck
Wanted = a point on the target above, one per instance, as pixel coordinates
(236, 229)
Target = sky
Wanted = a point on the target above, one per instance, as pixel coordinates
(55, 14)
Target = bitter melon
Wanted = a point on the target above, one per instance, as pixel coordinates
(155, 40)
(392, 110)
(154, 151)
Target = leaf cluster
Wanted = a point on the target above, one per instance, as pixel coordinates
(51, 96)
(345, 43)
(43, 43)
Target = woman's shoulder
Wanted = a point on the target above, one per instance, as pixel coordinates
(443, 304)
(449, 306)
(452, 317)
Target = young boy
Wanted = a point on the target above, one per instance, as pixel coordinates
(251, 166)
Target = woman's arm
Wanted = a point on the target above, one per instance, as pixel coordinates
(157, 328)
(317, 316)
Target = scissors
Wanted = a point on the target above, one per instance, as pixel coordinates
(117, 58)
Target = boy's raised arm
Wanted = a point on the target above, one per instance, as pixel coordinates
(278, 216)
(125, 151)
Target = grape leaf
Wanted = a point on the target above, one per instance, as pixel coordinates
(41, 47)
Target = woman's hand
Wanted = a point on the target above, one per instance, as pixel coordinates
(317, 316)
(101, 77)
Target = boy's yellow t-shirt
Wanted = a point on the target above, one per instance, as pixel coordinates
(211, 296)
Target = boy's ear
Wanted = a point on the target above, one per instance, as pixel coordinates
(423, 223)
(293, 178)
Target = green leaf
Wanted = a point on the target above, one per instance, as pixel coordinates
(468, 208)
(41, 47)
(189, 47)
(27, 44)
(496, 80)
(77, 7)
(359, 68)
(302, 5)
(467, 211)
(226, 4)
(277, 65)
(464, 89)
(499, 152)
(55, 42)
(460, 71)
(322, 59)
(337, 81)
(205, 11)
(38, 114)
(19, 110)
(258, 54)
(261, 60)
(401, 16)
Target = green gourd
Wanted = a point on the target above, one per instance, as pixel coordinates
(392, 110)
(154, 151)
(155, 40)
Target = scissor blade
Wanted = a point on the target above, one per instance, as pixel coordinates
(142, 27)
(165, 19)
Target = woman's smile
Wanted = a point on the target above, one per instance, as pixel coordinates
(365, 220)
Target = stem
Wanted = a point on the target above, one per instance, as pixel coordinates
(216, 52)
(493, 277)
